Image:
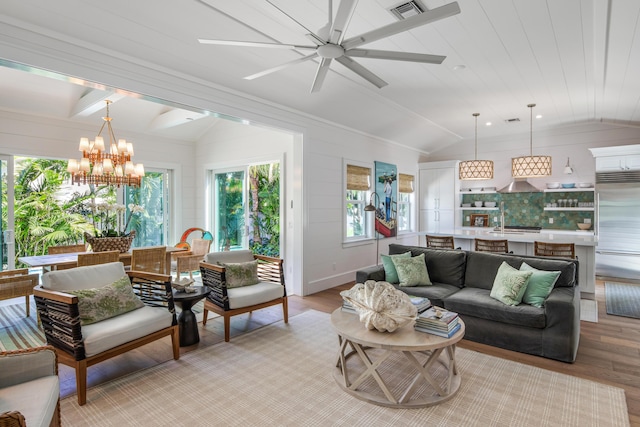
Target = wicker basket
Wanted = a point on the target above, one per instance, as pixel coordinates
(102, 244)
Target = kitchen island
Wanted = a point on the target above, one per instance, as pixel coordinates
(521, 243)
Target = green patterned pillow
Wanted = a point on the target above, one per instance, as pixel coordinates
(509, 284)
(540, 285)
(241, 273)
(390, 272)
(108, 301)
(412, 271)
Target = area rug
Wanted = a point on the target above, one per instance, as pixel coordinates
(18, 331)
(622, 299)
(281, 374)
(589, 310)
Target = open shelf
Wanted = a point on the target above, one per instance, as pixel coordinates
(567, 190)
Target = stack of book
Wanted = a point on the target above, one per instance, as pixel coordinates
(438, 321)
(421, 303)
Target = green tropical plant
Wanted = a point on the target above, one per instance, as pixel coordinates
(44, 214)
(264, 205)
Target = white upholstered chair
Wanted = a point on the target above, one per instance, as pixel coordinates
(81, 346)
(229, 301)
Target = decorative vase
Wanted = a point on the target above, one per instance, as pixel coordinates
(102, 244)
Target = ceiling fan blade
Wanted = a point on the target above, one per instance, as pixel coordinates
(343, 17)
(255, 44)
(395, 56)
(292, 18)
(281, 66)
(405, 25)
(318, 80)
(362, 72)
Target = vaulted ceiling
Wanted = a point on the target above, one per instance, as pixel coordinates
(578, 60)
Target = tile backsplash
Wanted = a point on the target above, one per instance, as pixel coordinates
(527, 209)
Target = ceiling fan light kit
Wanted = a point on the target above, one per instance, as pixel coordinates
(531, 166)
(476, 169)
(333, 46)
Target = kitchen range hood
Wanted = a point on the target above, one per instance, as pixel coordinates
(519, 185)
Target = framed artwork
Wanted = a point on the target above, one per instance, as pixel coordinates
(386, 189)
(479, 220)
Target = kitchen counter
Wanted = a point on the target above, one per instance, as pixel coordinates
(521, 243)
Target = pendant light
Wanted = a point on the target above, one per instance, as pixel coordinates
(476, 169)
(531, 166)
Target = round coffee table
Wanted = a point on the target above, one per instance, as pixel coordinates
(187, 322)
(421, 353)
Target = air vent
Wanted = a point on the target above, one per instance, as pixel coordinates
(617, 177)
(407, 10)
(516, 120)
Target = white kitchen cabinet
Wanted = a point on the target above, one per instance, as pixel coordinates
(438, 190)
(618, 163)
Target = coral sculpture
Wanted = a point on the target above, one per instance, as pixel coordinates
(380, 305)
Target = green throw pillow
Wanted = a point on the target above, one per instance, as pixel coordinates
(540, 285)
(390, 273)
(509, 284)
(108, 301)
(412, 271)
(241, 273)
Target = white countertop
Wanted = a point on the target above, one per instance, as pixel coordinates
(579, 238)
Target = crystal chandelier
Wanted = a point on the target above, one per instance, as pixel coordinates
(101, 167)
(476, 169)
(531, 166)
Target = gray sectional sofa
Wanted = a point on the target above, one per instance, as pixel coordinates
(462, 282)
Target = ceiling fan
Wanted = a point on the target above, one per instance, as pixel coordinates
(329, 43)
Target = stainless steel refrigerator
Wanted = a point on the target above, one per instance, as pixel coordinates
(618, 224)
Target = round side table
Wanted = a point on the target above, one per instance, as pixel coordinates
(187, 322)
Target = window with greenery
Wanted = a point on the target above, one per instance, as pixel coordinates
(357, 188)
(264, 208)
(151, 223)
(405, 202)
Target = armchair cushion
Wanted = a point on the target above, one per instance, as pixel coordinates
(241, 273)
(246, 296)
(91, 276)
(220, 258)
(36, 400)
(110, 333)
(108, 301)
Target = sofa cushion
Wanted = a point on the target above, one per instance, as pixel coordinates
(540, 285)
(412, 271)
(444, 265)
(36, 400)
(509, 284)
(390, 272)
(478, 303)
(108, 301)
(245, 296)
(91, 276)
(112, 332)
(240, 273)
(436, 293)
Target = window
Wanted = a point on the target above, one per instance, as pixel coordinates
(153, 194)
(405, 198)
(357, 189)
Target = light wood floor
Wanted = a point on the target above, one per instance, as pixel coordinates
(609, 350)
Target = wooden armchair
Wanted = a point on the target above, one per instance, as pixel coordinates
(228, 301)
(29, 387)
(17, 283)
(189, 261)
(81, 346)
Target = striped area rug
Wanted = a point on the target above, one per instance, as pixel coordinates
(18, 331)
(622, 299)
(281, 375)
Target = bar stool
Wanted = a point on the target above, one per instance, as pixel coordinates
(562, 250)
(440, 242)
(496, 246)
